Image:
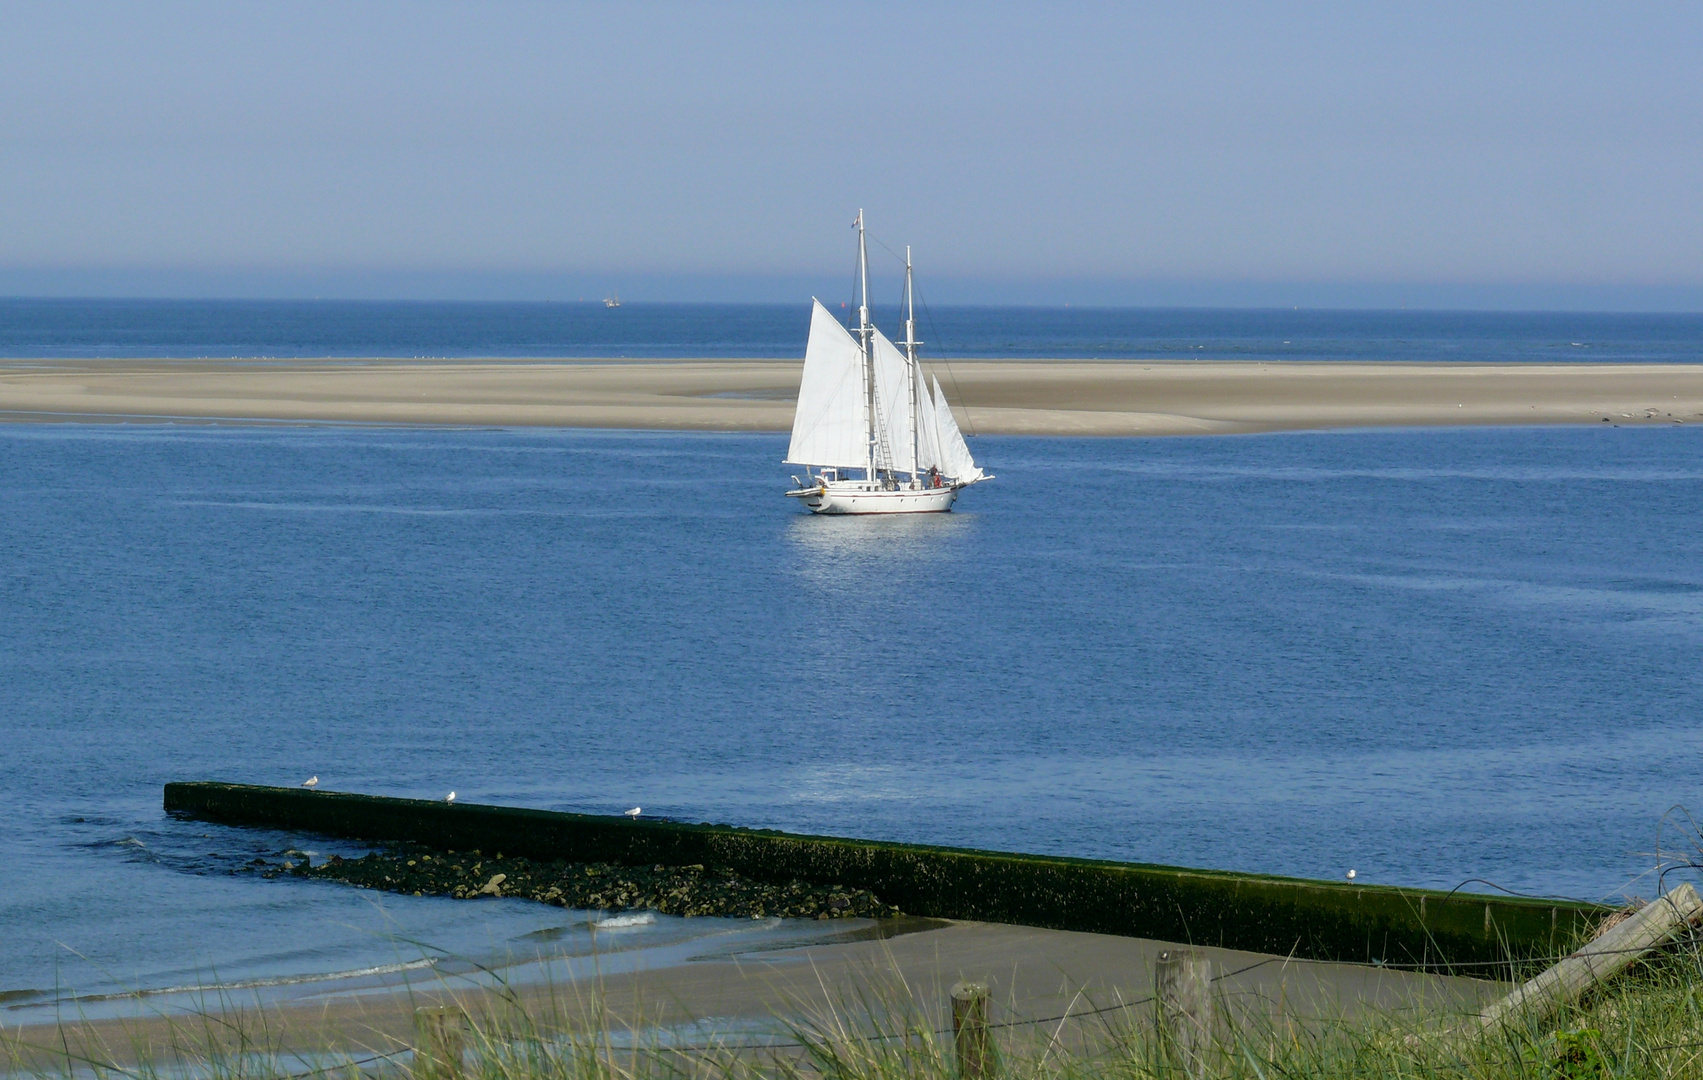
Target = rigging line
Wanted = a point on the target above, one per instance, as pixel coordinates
(853, 294)
(900, 259)
(934, 332)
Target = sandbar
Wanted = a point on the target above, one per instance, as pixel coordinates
(995, 397)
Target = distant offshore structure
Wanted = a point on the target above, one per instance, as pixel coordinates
(612, 300)
(864, 406)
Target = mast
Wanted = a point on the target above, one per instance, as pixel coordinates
(911, 344)
(867, 339)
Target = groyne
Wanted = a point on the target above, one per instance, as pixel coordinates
(1319, 920)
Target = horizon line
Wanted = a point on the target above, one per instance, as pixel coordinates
(425, 301)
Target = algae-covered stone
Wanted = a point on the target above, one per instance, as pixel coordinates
(689, 890)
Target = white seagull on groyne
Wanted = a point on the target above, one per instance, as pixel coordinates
(312, 781)
(450, 797)
(634, 812)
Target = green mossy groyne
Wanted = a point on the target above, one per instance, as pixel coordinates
(1319, 920)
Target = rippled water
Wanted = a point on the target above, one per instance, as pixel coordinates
(1431, 656)
(311, 328)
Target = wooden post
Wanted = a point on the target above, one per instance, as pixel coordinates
(1182, 992)
(440, 1034)
(1603, 958)
(970, 1036)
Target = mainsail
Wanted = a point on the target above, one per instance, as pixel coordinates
(829, 429)
(928, 435)
(892, 406)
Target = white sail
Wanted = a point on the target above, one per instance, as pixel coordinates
(955, 459)
(928, 438)
(893, 404)
(828, 426)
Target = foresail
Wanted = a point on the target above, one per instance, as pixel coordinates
(893, 404)
(955, 459)
(928, 438)
(828, 425)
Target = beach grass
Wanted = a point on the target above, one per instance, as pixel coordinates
(1647, 1023)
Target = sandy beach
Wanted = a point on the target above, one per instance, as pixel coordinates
(1072, 987)
(991, 397)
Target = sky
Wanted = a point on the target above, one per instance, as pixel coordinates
(1543, 155)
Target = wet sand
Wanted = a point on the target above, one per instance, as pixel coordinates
(1072, 987)
(991, 397)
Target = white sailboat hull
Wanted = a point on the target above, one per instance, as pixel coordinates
(861, 497)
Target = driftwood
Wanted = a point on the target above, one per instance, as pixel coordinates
(1614, 951)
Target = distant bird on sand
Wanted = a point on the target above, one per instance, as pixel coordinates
(634, 812)
(312, 781)
(450, 797)
(1351, 875)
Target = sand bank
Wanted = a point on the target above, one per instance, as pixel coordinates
(992, 397)
(1044, 983)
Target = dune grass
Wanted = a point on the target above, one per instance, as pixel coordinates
(1648, 1023)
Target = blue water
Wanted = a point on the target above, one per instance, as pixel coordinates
(273, 329)
(1428, 656)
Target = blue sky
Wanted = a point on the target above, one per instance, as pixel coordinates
(1471, 155)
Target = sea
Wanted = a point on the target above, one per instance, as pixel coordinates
(1448, 658)
(263, 329)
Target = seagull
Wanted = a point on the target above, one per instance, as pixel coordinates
(450, 797)
(634, 812)
(312, 781)
(1351, 875)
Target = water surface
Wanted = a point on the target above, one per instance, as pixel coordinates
(250, 329)
(1429, 656)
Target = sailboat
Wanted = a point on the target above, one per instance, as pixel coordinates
(872, 437)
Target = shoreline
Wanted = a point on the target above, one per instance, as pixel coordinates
(994, 397)
(1039, 977)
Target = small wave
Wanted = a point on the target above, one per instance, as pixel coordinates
(88, 819)
(7, 997)
(246, 984)
(548, 933)
(623, 922)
